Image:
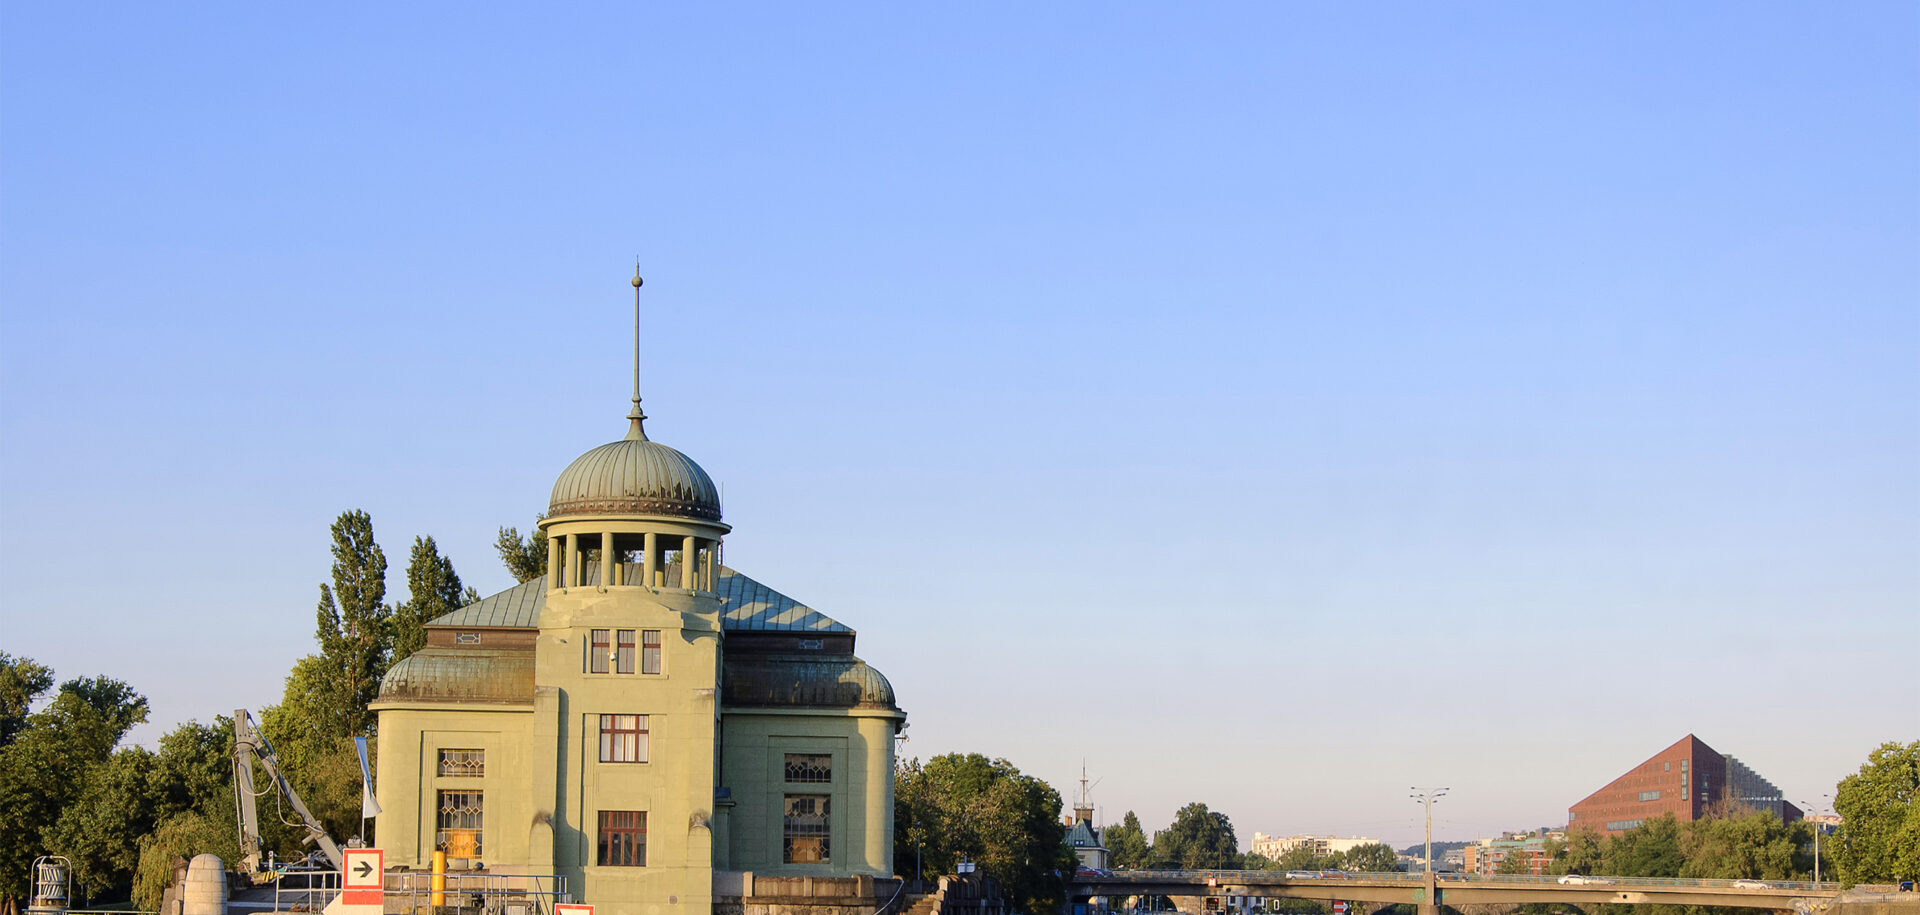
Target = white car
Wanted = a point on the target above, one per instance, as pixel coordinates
(1577, 880)
(1303, 875)
(1752, 885)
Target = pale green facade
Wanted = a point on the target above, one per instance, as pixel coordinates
(638, 725)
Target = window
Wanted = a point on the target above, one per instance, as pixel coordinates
(806, 830)
(623, 738)
(1649, 795)
(598, 651)
(649, 651)
(459, 823)
(463, 762)
(623, 838)
(809, 767)
(624, 662)
(1623, 825)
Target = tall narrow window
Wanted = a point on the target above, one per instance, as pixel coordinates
(623, 738)
(806, 830)
(599, 650)
(624, 663)
(623, 838)
(459, 824)
(649, 651)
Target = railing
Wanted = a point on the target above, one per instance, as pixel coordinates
(487, 894)
(1224, 877)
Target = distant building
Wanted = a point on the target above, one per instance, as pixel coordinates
(1272, 847)
(1487, 855)
(1689, 780)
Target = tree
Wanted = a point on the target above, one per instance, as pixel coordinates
(433, 589)
(987, 812)
(21, 682)
(1744, 846)
(1879, 806)
(1127, 843)
(1651, 849)
(1372, 857)
(526, 559)
(100, 830)
(1581, 854)
(352, 626)
(322, 765)
(49, 763)
(1303, 858)
(1198, 839)
(1518, 861)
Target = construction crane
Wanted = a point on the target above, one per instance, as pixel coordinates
(250, 745)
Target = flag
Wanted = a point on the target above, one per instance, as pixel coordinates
(369, 807)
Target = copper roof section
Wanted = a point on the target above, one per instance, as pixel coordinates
(784, 681)
(635, 476)
(461, 675)
(746, 605)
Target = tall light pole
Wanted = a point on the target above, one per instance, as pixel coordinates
(1811, 810)
(1427, 796)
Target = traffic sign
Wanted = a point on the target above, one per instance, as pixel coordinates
(1339, 907)
(567, 908)
(363, 876)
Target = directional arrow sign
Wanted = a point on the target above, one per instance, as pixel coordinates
(363, 874)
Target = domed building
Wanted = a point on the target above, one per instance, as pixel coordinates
(661, 731)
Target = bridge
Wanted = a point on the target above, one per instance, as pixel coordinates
(1429, 891)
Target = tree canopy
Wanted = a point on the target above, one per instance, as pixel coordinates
(352, 627)
(525, 558)
(1198, 839)
(1127, 843)
(1879, 806)
(959, 807)
(433, 589)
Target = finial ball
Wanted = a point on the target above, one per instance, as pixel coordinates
(636, 281)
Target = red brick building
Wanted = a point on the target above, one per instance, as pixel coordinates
(1689, 780)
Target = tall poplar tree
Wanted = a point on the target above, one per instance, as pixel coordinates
(353, 627)
(433, 589)
(525, 558)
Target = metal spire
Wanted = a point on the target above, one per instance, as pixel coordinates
(635, 432)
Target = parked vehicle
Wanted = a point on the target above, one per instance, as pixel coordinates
(1303, 875)
(1577, 880)
(1752, 885)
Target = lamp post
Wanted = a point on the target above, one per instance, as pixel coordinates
(1811, 810)
(919, 840)
(1427, 796)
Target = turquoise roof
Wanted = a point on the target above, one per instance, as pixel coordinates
(749, 605)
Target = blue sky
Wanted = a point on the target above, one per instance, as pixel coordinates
(1271, 405)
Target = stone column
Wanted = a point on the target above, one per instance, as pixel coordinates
(555, 564)
(606, 559)
(573, 562)
(686, 563)
(649, 565)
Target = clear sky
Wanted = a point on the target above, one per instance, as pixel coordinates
(1271, 405)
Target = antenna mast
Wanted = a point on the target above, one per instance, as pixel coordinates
(636, 415)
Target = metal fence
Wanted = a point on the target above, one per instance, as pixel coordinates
(413, 892)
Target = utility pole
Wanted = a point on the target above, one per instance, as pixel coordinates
(1427, 796)
(1811, 810)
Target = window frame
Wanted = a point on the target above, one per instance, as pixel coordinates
(650, 652)
(600, 651)
(637, 745)
(818, 836)
(635, 847)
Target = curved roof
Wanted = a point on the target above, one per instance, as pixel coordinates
(460, 675)
(786, 681)
(635, 476)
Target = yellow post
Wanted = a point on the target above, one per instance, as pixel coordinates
(439, 879)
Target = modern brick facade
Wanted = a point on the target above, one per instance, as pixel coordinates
(1689, 780)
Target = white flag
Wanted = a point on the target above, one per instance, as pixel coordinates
(369, 807)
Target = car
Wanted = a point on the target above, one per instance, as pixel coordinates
(1577, 880)
(1752, 885)
(1303, 875)
(1336, 874)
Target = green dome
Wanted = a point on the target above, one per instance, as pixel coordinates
(635, 476)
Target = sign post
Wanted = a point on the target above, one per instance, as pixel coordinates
(363, 878)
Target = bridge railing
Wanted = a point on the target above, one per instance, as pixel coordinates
(1241, 877)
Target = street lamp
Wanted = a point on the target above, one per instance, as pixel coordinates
(1427, 796)
(1811, 810)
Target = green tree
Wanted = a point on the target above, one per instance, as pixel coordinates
(1304, 858)
(181, 835)
(50, 762)
(1372, 857)
(526, 559)
(323, 766)
(433, 589)
(987, 812)
(353, 627)
(21, 682)
(1517, 862)
(1744, 846)
(1582, 854)
(1254, 861)
(1651, 849)
(100, 830)
(1127, 843)
(1879, 806)
(1198, 839)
